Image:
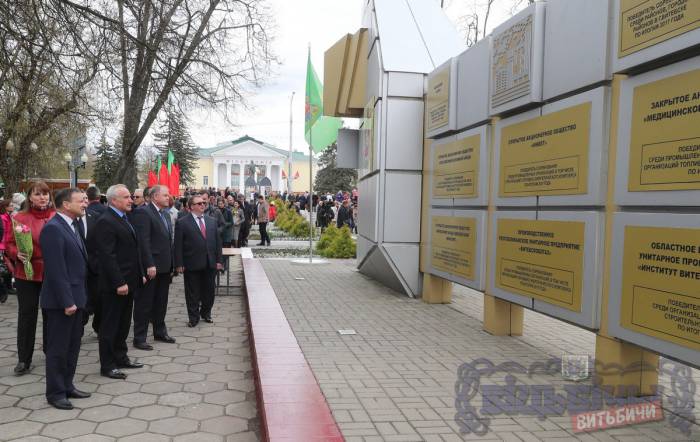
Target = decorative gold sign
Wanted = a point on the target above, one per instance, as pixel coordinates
(453, 245)
(547, 155)
(541, 260)
(438, 99)
(661, 284)
(456, 168)
(645, 23)
(665, 134)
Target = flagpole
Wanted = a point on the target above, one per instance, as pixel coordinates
(311, 177)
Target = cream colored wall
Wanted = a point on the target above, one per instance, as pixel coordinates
(204, 168)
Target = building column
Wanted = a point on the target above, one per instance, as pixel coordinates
(241, 178)
(280, 186)
(215, 176)
(228, 175)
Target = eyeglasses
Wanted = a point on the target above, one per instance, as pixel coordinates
(201, 203)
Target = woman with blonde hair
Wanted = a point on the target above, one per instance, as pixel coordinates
(38, 210)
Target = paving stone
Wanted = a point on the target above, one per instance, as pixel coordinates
(104, 413)
(12, 414)
(201, 411)
(49, 415)
(135, 399)
(173, 426)
(119, 388)
(191, 360)
(224, 397)
(180, 399)
(90, 438)
(20, 380)
(199, 437)
(244, 410)
(204, 387)
(14, 430)
(245, 385)
(146, 378)
(145, 437)
(96, 399)
(152, 412)
(207, 368)
(248, 436)
(225, 425)
(35, 439)
(67, 429)
(186, 377)
(162, 387)
(122, 427)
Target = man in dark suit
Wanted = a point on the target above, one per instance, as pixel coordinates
(198, 255)
(120, 275)
(63, 296)
(95, 207)
(153, 227)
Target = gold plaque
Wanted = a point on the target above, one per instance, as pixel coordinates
(456, 168)
(546, 155)
(453, 245)
(541, 260)
(645, 23)
(665, 134)
(661, 283)
(438, 99)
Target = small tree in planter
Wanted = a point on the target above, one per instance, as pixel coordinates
(341, 246)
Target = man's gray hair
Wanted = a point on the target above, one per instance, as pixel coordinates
(158, 188)
(112, 191)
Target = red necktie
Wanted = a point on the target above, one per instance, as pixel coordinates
(202, 228)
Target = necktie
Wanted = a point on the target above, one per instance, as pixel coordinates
(77, 227)
(202, 228)
(166, 219)
(126, 220)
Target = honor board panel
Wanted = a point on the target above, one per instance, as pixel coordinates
(459, 166)
(645, 30)
(658, 139)
(517, 58)
(458, 246)
(654, 293)
(441, 100)
(559, 156)
(586, 314)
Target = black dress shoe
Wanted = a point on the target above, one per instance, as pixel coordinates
(143, 346)
(165, 338)
(77, 394)
(114, 374)
(130, 364)
(207, 319)
(192, 324)
(61, 404)
(22, 368)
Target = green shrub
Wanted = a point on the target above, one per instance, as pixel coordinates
(342, 245)
(300, 227)
(327, 237)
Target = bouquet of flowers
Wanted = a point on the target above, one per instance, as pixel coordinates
(23, 238)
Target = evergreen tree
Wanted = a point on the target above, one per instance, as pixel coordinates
(106, 160)
(173, 135)
(330, 178)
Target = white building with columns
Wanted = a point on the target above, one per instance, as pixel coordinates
(228, 164)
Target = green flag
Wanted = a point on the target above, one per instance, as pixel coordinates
(157, 165)
(320, 131)
(171, 160)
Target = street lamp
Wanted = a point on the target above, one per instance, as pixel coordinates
(76, 159)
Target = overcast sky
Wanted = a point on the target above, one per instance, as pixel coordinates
(298, 23)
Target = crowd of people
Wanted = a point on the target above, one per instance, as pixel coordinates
(74, 255)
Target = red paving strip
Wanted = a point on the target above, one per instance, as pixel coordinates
(292, 407)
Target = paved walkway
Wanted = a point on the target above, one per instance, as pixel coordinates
(395, 379)
(200, 389)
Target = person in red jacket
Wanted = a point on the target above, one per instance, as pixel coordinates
(37, 212)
